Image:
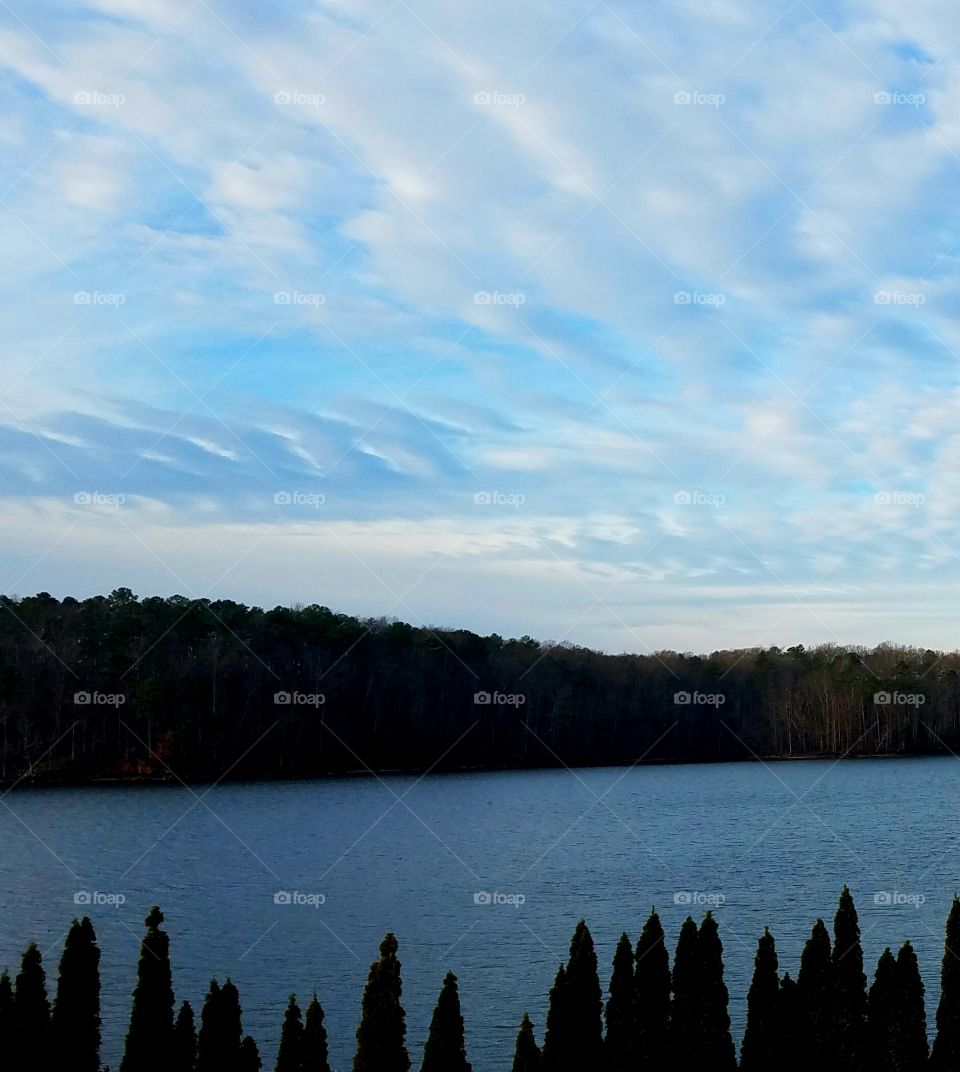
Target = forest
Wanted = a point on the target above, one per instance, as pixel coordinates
(658, 1016)
(121, 687)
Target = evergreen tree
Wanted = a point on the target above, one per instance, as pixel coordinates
(618, 1040)
(762, 1039)
(946, 1046)
(791, 1026)
(446, 1050)
(184, 1040)
(221, 1029)
(75, 1019)
(585, 1003)
(814, 991)
(249, 1058)
(526, 1057)
(651, 1034)
(8, 1016)
(556, 1037)
(315, 1056)
(32, 1039)
(882, 1015)
(911, 1019)
(290, 1053)
(380, 1036)
(849, 987)
(149, 1045)
(685, 1014)
(716, 1047)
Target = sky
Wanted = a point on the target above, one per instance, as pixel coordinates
(624, 325)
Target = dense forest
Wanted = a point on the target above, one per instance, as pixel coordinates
(120, 687)
(658, 1016)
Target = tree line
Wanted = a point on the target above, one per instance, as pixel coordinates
(658, 1016)
(121, 687)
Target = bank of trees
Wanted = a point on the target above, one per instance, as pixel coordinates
(117, 686)
(658, 1015)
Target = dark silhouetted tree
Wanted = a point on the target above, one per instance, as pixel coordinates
(185, 1039)
(619, 1013)
(8, 1016)
(315, 1055)
(791, 1026)
(290, 1053)
(149, 1045)
(249, 1057)
(221, 1029)
(814, 989)
(586, 1002)
(882, 1015)
(685, 1012)
(849, 987)
(651, 1039)
(32, 1039)
(380, 1036)
(526, 1056)
(911, 1018)
(716, 1049)
(556, 1032)
(445, 1050)
(75, 1018)
(946, 1046)
(762, 1038)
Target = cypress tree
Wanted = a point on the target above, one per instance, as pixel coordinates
(791, 1026)
(849, 987)
(946, 1045)
(380, 1036)
(651, 1032)
(249, 1057)
(75, 1019)
(585, 1003)
(149, 1045)
(445, 1050)
(184, 1039)
(315, 1055)
(761, 1048)
(290, 1053)
(685, 1012)
(32, 1010)
(881, 1015)
(814, 991)
(526, 1057)
(911, 1018)
(618, 1040)
(221, 1029)
(556, 1037)
(717, 1051)
(8, 1015)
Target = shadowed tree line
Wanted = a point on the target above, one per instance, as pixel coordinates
(117, 686)
(658, 1016)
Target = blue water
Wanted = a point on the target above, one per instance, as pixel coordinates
(772, 845)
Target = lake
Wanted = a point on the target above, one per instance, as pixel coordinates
(771, 844)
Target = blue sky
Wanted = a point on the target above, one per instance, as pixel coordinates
(627, 325)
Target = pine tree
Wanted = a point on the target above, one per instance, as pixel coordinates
(881, 1015)
(184, 1040)
(315, 1055)
(685, 1014)
(380, 1036)
(618, 1040)
(526, 1057)
(149, 1045)
(221, 1029)
(911, 1018)
(290, 1053)
(761, 1048)
(585, 1003)
(75, 1019)
(249, 1057)
(32, 1039)
(651, 1034)
(717, 1051)
(946, 1046)
(814, 990)
(445, 1050)
(556, 1037)
(849, 987)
